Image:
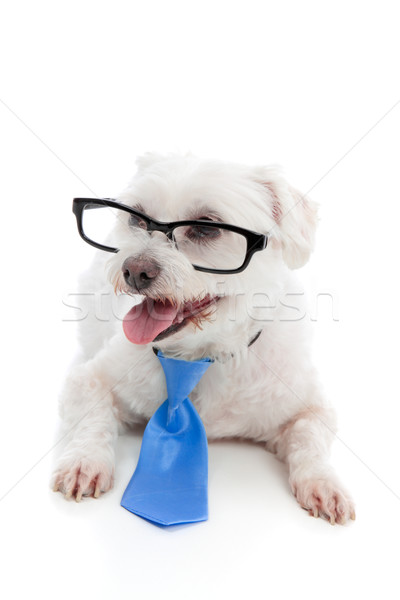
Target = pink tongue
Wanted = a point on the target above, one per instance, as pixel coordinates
(145, 321)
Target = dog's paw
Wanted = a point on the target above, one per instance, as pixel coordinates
(323, 497)
(83, 477)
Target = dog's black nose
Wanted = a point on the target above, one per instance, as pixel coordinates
(139, 273)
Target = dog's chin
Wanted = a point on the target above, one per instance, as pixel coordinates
(158, 319)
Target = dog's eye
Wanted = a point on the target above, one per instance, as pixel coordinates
(202, 233)
(136, 221)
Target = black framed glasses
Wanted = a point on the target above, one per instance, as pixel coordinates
(211, 246)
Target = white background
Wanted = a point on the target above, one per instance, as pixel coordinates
(86, 87)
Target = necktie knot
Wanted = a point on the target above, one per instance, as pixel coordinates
(181, 377)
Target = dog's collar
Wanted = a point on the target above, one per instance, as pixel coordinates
(255, 338)
(251, 342)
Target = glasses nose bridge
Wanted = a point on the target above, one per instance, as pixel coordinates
(164, 228)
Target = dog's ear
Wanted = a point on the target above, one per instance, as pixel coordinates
(294, 216)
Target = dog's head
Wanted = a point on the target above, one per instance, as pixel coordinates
(186, 311)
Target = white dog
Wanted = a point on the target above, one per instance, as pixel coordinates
(262, 385)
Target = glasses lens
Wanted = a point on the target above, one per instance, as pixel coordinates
(211, 247)
(104, 225)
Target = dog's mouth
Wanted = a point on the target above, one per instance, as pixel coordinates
(155, 320)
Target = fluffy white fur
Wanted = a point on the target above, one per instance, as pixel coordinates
(268, 392)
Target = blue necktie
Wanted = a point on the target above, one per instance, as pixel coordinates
(169, 485)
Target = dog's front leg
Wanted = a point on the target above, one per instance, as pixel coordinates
(86, 467)
(304, 444)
